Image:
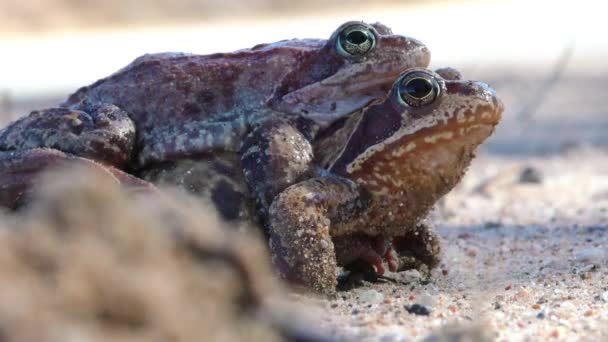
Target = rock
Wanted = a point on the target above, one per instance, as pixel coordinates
(409, 276)
(530, 175)
(427, 299)
(604, 297)
(591, 255)
(432, 289)
(461, 333)
(566, 310)
(568, 306)
(371, 296)
(492, 225)
(418, 309)
(412, 273)
(393, 337)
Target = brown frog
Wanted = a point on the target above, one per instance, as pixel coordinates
(380, 172)
(170, 106)
(359, 199)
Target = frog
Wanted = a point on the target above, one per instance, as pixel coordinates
(380, 172)
(170, 106)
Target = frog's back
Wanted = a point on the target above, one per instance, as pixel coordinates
(177, 88)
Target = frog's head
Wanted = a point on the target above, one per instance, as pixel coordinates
(417, 144)
(353, 68)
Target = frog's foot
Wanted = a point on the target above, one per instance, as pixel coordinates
(20, 170)
(376, 251)
(421, 246)
(104, 133)
(93, 133)
(299, 224)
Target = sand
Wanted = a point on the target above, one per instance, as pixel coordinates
(525, 234)
(524, 260)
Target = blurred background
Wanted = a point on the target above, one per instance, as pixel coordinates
(548, 60)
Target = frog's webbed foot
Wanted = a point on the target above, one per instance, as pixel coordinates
(20, 170)
(274, 156)
(300, 220)
(420, 246)
(102, 137)
(103, 133)
(376, 251)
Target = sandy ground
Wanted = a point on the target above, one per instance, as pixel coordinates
(526, 232)
(526, 251)
(525, 258)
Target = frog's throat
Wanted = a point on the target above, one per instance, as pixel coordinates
(431, 155)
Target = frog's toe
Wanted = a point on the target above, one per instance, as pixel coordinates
(374, 259)
(392, 260)
(375, 251)
(303, 251)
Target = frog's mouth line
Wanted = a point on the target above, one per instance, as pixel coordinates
(324, 119)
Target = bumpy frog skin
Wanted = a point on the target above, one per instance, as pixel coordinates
(382, 171)
(169, 106)
(299, 129)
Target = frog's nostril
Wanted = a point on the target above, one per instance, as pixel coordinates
(489, 95)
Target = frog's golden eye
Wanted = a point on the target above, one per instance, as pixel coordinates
(356, 40)
(418, 88)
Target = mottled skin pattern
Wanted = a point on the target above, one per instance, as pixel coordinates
(377, 186)
(218, 180)
(170, 106)
(293, 128)
(109, 133)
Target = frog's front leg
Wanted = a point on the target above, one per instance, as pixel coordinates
(300, 223)
(101, 137)
(274, 156)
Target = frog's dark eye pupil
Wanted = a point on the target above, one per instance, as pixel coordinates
(356, 37)
(418, 88)
(356, 41)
